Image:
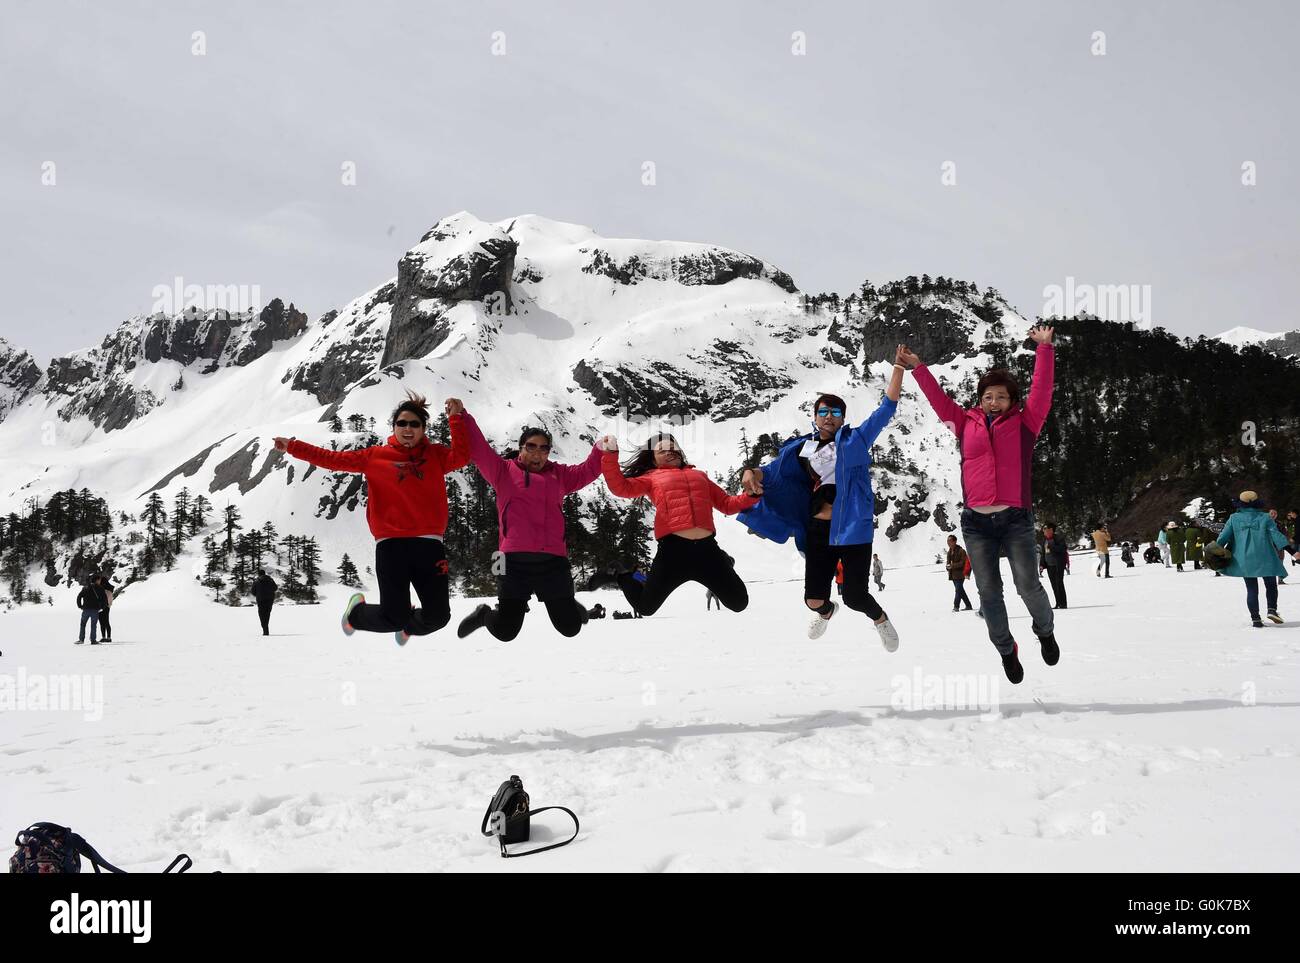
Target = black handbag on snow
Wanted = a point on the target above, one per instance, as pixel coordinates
(507, 818)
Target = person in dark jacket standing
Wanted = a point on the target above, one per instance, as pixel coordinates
(264, 591)
(956, 565)
(108, 588)
(90, 600)
(1054, 558)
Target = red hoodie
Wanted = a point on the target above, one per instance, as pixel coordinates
(407, 491)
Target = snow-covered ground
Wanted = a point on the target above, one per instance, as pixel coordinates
(1166, 738)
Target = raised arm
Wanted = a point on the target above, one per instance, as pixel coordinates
(949, 412)
(351, 461)
(730, 504)
(1039, 402)
(457, 456)
(623, 487)
(491, 466)
(575, 477)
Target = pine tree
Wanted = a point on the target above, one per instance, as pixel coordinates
(232, 524)
(347, 573)
(199, 514)
(180, 517)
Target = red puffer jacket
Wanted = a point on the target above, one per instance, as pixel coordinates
(407, 492)
(683, 497)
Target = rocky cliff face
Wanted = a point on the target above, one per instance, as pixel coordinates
(18, 377)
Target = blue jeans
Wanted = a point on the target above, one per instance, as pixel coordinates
(1009, 532)
(1252, 595)
(91, 616)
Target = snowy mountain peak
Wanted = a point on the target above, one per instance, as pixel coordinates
(1242, 335)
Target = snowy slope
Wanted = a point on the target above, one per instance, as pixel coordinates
(1165, 740)
(1240, 336)
(528, 320)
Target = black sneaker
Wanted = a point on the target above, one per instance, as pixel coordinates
(1012, 667)
(93, 642)
(79, 642)
(1257, 623)
(1273, 616)
(474, 621)
(1051, 651)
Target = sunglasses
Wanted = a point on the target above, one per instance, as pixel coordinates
(533, 446)
(823, 411)
(408, 424)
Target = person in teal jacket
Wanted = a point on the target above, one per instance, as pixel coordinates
(1256, 543)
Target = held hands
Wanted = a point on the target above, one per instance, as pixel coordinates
(454, 406)
(752, 481)
(282, 444)
(906, 358)
(1042, 333)
(607, 443)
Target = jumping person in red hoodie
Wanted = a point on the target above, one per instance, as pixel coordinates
(996, 439)
(684, 499)
(407, 513)
(530, 490)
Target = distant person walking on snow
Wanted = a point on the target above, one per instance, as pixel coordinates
(407, 514)
(1101, 539)
(1177, 545)
(877, 572)
(956, 562)
(1163, 541)
(1193, 539)
(1054, 559)
(818, 490)
(1256, 544)
(91, 601)
(996, 439)
(263, 590)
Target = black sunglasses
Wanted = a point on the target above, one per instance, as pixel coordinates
(403, 423)
(533, 446)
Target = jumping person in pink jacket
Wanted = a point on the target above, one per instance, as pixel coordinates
(530, 490)
(996, 439)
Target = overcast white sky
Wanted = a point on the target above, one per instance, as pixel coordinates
(226, 168)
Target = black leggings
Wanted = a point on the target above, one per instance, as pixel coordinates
(507, 618)
(680, 560)
(400, 564)
(104, 628)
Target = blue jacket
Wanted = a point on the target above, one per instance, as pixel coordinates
(783, 512)
(1254, 541)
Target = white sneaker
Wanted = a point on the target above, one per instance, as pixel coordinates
(888, 635)
(818, 627)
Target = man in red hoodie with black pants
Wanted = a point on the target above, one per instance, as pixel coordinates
(407, 512)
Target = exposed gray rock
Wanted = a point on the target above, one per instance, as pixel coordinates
(188, 468)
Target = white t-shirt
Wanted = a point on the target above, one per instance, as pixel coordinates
(821, 459)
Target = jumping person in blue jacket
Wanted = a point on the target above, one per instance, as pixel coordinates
(818, 491)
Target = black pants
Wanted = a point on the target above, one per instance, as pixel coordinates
(959, 594)
(104, 628)
(1056, 575)
(820, 557)
(544, 575)
(264, 614)
(680, 560)
(400, 565)
(1103, 562)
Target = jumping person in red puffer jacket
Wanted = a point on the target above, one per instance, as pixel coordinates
(407, 513)
(684, 499)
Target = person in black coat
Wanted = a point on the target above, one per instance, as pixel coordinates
(264, 591)
(108, 588)
(90, 600)
(1054, 558)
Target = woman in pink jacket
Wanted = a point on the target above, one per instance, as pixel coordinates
(996, 439)
(684, 499)
(530, 490)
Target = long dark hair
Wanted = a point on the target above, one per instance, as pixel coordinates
(644, 459)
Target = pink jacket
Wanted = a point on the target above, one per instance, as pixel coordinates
(530, 516)
(996, 460)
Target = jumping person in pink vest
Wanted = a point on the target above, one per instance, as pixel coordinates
(996, 439)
